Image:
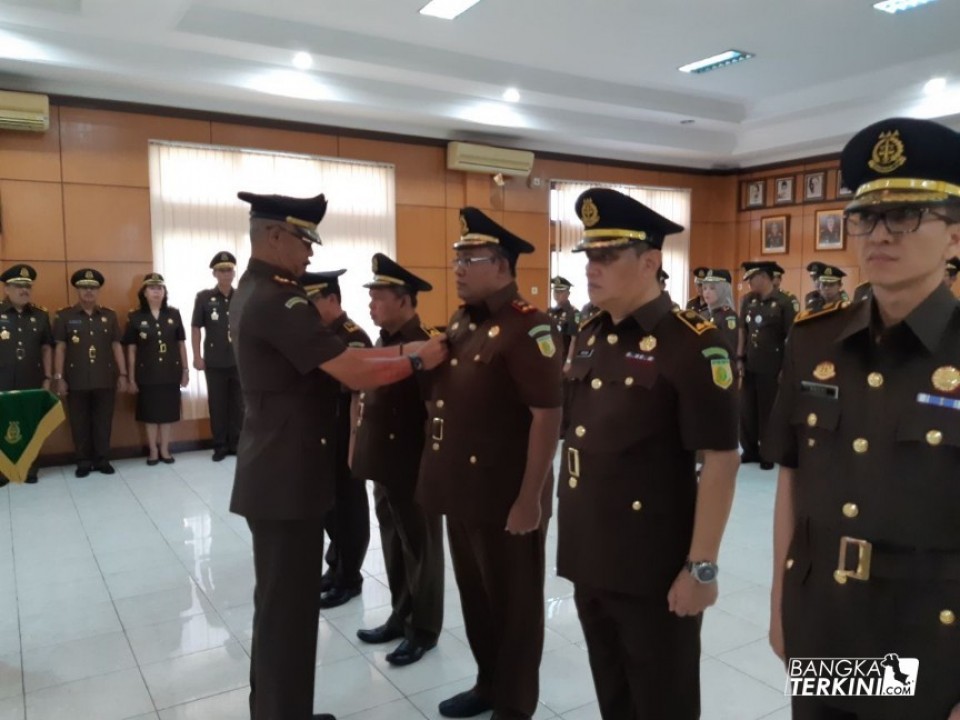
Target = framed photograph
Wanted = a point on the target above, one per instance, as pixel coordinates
(829, 230)
(784, 191)
(754, 193)
(842, 190)
(814, 186)
(773, 231)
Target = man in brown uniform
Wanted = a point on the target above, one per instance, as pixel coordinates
(26, 354)
(866, 429)
(390, 437)
(290, 369)
(652, 387)
(494, 422)
(348, 523)
(564, 314)
(90, 369)
(767, 319)
(211, 314)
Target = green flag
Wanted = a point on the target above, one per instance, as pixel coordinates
(27, 417)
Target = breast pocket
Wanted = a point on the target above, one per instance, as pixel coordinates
(928, 438)
(815, 422)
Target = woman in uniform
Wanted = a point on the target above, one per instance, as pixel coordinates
(718, 296)
(157, 355)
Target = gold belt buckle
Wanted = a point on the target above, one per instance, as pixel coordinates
(573, 462)
(437, 429)
(864, 554)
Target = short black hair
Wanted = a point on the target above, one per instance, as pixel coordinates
(511, 259)
(399, 292)
(335, 291)
(142, 297)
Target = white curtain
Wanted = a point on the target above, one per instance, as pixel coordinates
(195, 213)
(672, 203)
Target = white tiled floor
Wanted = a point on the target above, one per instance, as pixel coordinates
(129, 597)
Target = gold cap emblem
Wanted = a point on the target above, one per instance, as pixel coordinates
(589, 213)
(464, 228)
(24, 272)
(887, 154)
(376, 263)
(88, 275)
(946, 378)
(825, 371)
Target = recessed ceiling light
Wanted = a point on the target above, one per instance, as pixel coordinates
(302, 61)
(511, 95)
(935, 85)
(687, 122)
(447, 9)
(896, 6)
(713, 62)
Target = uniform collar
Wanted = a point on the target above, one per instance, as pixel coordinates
(647, 316)
(339, 322)
(216, 291)
(79, 308)
(492, 304)
(928, 321)
(261, 267)
(407, 330)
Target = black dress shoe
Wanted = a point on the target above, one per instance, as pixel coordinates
(383, 634)
(31, 480)
(219, 455)
(232, 451)
(464, 705)
(327, 582)
(153, 461)
(168, 460)
(3, 481)
(337, 597)
(82, 470)
(106, 468)
(507, 715)
(745, 459)
(766, 466)
(324, 716)
(408, 652)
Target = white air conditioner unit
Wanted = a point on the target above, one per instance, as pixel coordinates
(489, 160)
(24, 112)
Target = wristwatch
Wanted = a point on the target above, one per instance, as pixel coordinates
(703, 572)
(415, 362)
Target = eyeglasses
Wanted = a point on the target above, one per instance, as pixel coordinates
(897, 221)
(466, 262)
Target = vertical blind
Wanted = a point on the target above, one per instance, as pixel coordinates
(195, 214)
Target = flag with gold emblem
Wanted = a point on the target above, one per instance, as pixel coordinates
(27, 417)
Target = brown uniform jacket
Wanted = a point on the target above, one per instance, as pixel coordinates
(505, 358)
(646, 395)
(351, 335)
(285, 463)
(89, 363)
(211, 311)
(390, 430)
(767, 322)
(567, 320)
(22, 337)
(158, 345)
(728, 323)
(869, 419)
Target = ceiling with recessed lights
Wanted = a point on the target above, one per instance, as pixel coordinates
(597, 78)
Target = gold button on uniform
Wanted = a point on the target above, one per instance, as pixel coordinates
(789, 563)
(472, 326)
(628, 382)
(851, 510)
(436, 446)
(454, 362)
(636, 505)
(934, 437)
(591, 341)
(947, 617)
(473, 459)
(476, 358)
(439, 404)
(572, 482)
(860, 445)
(612, 338)
(596, 383)
(812, 419)
(494, 331)
(580, 431)
(811, 442)
(874, 379)
(323, 441)
(392, 436)
(839, 577)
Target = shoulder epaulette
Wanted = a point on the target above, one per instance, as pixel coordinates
(39, 307)
(430, 330)
(351, 326)
(825, 310)
(589, 319)
(693, 320)
(285, 281)
(522, 306)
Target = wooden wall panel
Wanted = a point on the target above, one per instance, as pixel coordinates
(257, 138)
(32, 156)
(483, 193)
(535, 229)
(422, 238)
(50, 288)
(110, 148)
(32, 215)
(122, 280)
(432, 305)
(534, 285)
(107, 223)
(421, 169)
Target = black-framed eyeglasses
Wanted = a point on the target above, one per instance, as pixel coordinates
(467, 262)
(897, 221)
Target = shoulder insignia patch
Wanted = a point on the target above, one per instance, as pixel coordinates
(294, 301)
(589, 319)
(542, 335)
(693, 320)
(522, 306)
(351, 326)
(430, 330)
(285, 281)
(825, 310)
(720, 369)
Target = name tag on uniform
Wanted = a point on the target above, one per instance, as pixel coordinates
(829, 392)
(588, 352)
(938, 400)
(639, 357)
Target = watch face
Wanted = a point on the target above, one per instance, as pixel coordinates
(705, 573)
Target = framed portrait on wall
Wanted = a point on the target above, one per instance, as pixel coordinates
(773, 233)
(842, 190)
(754, 193)
(784, 191)
(814, 186)
(829, 230)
